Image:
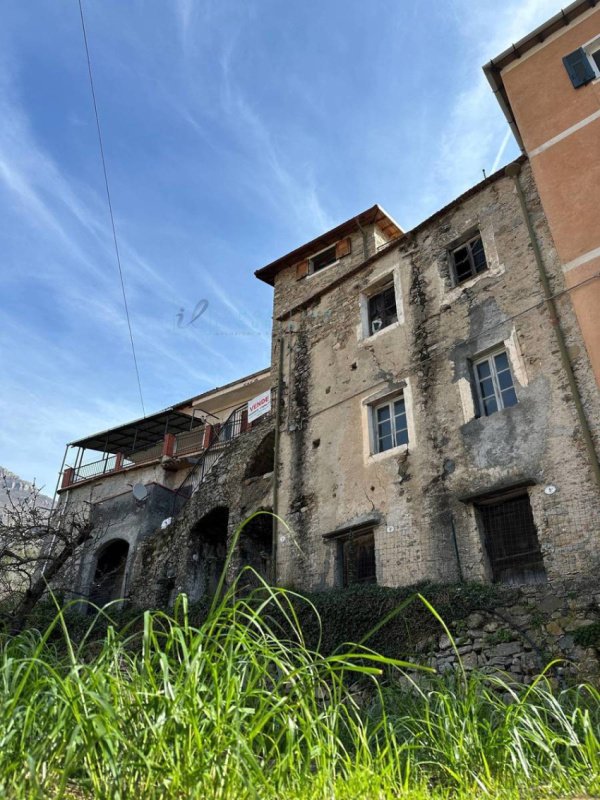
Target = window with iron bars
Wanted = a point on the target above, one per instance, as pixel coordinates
(511, 539)
(468, 260)
(357, 553)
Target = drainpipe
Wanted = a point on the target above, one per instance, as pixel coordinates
(280, 341)
(512, 171)
(364, 239)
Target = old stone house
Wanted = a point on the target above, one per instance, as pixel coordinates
(429, 430)
(435, 403)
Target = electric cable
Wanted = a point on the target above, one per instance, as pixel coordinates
(110, 208)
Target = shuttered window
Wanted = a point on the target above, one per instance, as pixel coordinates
(323, 259)
(579, 67)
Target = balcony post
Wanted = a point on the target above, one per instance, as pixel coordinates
(169, 444)
(119, 462)
(67, 478)
(207, 436)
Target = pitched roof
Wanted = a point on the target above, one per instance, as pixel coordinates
(374, 215)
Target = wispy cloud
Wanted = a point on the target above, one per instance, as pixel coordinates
(474, 137)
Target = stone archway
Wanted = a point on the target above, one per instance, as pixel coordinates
(255, 545)
(108, 582)
(208, 546)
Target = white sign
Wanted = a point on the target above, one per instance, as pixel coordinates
(259, 405)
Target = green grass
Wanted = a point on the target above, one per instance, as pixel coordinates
(239, 707)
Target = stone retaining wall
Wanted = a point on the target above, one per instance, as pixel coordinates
(535, 627)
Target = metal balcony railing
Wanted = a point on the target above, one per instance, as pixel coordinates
(208, 442)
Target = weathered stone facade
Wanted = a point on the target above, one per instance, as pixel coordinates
(185, 556)
(421, 499)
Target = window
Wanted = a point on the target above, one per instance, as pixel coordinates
(511, 539)
(594, 55)
(357, 552)
(468, 260)
(323, 259)
(494, 383)
(390, 425)
(382, 309)
(583, 64)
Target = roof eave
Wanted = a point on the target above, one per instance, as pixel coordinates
(371, 216)
(493, 69)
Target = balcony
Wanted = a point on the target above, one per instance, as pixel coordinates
(184, 438)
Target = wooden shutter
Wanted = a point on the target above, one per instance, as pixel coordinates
(578, 67)
(343, 247)
(302, 269)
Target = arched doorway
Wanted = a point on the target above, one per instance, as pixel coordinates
(109, 575)
(255, 545)
(208, 544)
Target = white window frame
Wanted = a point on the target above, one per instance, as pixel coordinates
(389, 403)
(489, 358)
(375, 400)
(591, 47)
(314, 255)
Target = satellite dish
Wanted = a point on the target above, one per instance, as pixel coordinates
(140, 492)
(165, 524)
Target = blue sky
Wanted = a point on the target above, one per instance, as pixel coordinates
(233, 132)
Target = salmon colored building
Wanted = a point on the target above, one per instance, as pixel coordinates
(548, 85)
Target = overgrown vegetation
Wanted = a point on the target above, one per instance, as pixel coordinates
(241, 707)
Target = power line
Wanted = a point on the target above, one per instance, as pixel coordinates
(110, 210)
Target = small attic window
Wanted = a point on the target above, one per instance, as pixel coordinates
(323, 259)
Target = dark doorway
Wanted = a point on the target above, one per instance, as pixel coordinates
(109, 575)
(255, 547)
(511, 539)
(262, 461)
(208, 552)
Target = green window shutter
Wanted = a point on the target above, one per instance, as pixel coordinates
(578, 67)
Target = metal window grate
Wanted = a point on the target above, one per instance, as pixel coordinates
(358, 553)
(511, 540)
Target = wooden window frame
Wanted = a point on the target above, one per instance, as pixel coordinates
(473, 271)
(390, 286)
